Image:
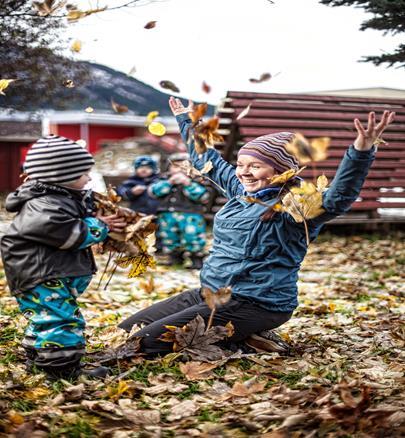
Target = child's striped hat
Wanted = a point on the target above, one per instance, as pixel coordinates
(56, 159)
(271, 149)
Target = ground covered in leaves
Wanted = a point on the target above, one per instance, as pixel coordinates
(344, 380)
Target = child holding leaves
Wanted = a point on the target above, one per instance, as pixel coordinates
(257, 255)
(47, 253)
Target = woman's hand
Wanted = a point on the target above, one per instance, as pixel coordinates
(177, 106)
(114, 222)
(366, 138)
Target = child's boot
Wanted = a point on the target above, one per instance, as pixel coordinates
(268, 340)
(196, 261)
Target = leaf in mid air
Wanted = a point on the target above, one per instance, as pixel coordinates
(169, 85)
(307, 151)
(263, 77)
(4, 83)
(150, 25)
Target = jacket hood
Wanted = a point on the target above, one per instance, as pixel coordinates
(30, 190)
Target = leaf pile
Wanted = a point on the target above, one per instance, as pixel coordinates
(345, 380)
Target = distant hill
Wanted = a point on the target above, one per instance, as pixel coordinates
(105, 84)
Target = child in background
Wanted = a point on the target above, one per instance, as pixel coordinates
(134, 189)
(181, 223)
(47, 256)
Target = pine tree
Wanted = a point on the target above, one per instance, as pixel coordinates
(389, 17)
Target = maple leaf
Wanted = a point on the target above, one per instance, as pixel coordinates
(169, 86)
(118, 108)
(204, 133)
(263, 77)
(206, 88)
(194, 339)
(308, 151)
(150, 25)
(4, 83)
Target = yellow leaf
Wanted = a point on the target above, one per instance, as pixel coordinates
(115, 392)
(157, 128)
(151, 117)
(308, 151)
(76, 46)
(332, 307)
(15, 418)
(321, 183)
(208, 166)
(4, 83)
(76, 14)
(285, 176)
(89, 109)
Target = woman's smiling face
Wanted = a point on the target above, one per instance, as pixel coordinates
(253, 173)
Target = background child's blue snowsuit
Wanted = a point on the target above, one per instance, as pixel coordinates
(181, 225)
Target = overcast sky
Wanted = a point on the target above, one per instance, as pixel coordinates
(225, 42)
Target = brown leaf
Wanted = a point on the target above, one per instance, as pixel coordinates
(150, 25)
(169, 86)
(197, 370)
(246, 389)
(118, 108)
(308, 151)
(206, 88)
(194, 339)
(263, 77)
(218, 298)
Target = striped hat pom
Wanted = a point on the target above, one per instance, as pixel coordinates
(271, 149)
(56, 159)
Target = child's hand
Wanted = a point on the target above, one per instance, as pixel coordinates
(114, 223)
(180, 178)
(177, 106)
(367, 137)
(138, 190)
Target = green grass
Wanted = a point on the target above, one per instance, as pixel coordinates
(142, 372)
(23, 405)
(208, 416)
(79, 429)
(362, 298)
(192, 389)
(8, 358)
(8, 334)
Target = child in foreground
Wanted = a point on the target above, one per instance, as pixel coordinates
(259, 259)
(46, 253)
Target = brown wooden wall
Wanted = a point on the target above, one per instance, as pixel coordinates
(319, 116)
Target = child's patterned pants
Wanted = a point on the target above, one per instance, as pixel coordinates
(181, 232)
(54, 337)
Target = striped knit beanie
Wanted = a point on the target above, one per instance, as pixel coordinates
(271, 149)
(58, 160)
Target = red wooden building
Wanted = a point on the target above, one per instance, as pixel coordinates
(383, 195)
(18, 132)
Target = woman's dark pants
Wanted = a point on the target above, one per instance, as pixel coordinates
(246, 316)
